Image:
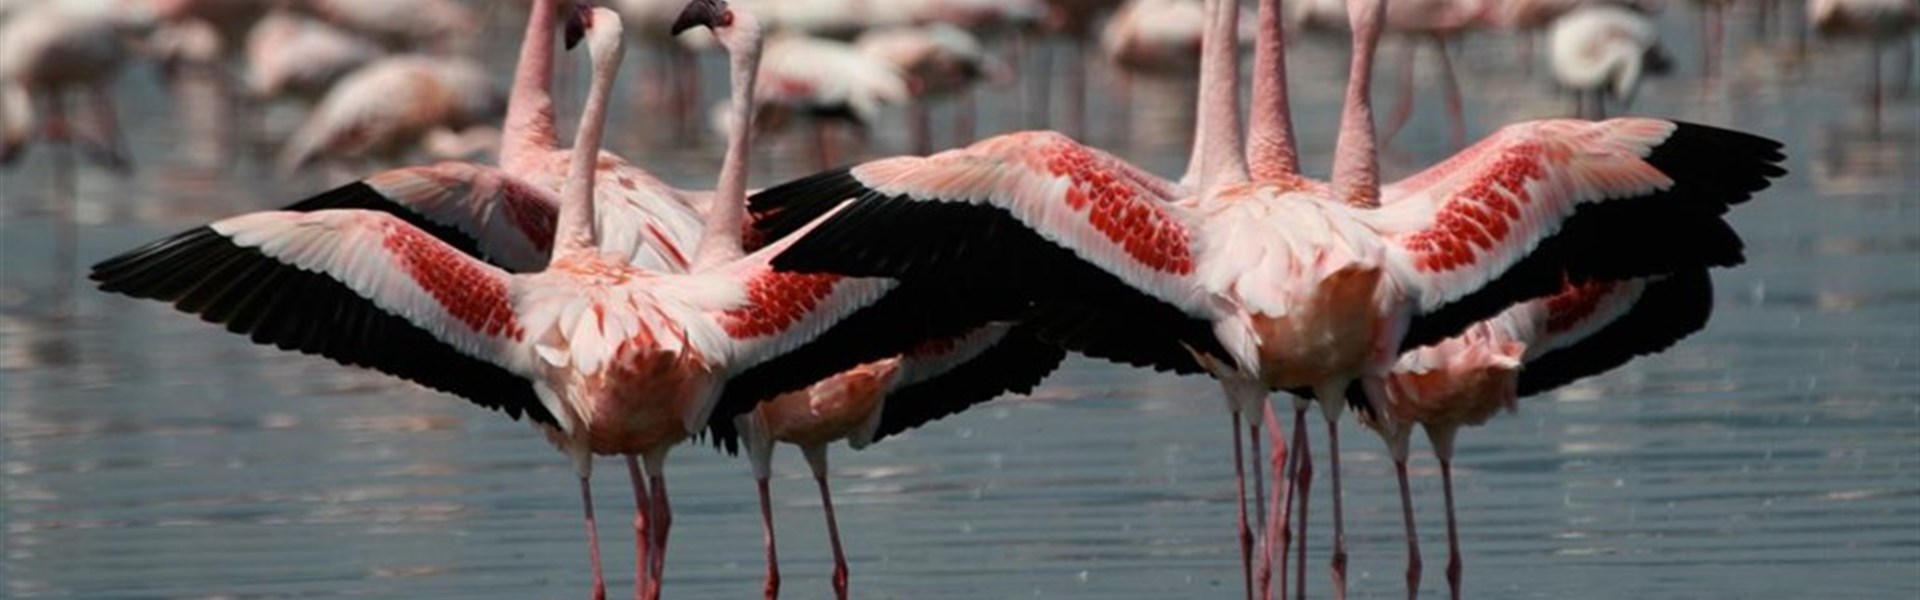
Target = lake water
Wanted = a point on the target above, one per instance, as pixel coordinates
(1774, 455)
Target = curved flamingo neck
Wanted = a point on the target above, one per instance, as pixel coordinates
(1271, 153)
(1221, 159)
(720, 242)
(1356, 175)
(529, 126)
(573, 234)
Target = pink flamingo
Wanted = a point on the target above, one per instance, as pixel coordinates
(611, 358)
(1602, 51)
(1879, 21)
(937, 61)
(439, 25)
(1583, 330)
(385, 109)
(50, 49)
(293, 56)
(827, 82)
(1431, 21)
(866, 404)
(1276, 288)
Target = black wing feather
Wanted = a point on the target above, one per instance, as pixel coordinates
(204, 273)
(1016, 364)
(1668, 311)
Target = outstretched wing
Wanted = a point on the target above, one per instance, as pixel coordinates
(1538, 203)
(1031, 215)
(359, 287)
(1585, 334)
(508, 221)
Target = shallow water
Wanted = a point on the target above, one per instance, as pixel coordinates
(1776, 454)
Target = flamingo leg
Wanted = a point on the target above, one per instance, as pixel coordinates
(964, 118)
(662, 521)
(1339, 527)
(1403, 106)
(111, 149)
(64, 197)
(1413, 538)
(817, 460)
(642, 543)
(593, 542)
(1275, 522)
(1240, 505)
(1303, 477)
(1455, 113)
(772, 587)
(920, 128)
(1076, 120)
(1453, 534)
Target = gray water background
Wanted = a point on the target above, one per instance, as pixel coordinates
(1774, 455)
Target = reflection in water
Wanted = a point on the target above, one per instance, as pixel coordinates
(145, 454)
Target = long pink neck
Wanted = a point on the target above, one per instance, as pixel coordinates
(1221, 158)
(573, 234)
(529, 126)
(1271, 154)
(1356, 176)
(720, 242)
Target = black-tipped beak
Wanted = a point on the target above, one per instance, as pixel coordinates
(577, 24)
(707, 13)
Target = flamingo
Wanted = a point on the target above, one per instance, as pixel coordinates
(824, 81)
(1583, 330)
(875, 400)
(1601, 51)
(1529, 17)
(938, 60)
(1879, 21)
(386, 108)
(1278, 288)
(293, 56)
(439, 25)
(609, 357)
(1430, 21)
(50, 49)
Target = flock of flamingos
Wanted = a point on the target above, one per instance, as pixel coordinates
(568, 286)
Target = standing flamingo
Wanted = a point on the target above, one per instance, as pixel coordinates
(1602, 51)
(1583, 330)
(872, 401)
(419, 25)
(386, 108)
(294, 56)
(51, 49)
(826, 82)
(937, 60)
(1879, 21)
(1277, 288)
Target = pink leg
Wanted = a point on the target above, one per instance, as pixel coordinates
(1403, 107)
(593, 542)
(817, 460)
(920, 128)
(964, 118)
(1275, 515)
(642, 569)
(1453, 534)
(823, 145)
(111, 149)
(1240, 505)
(1304, 483)
(662, 514)
(1076, 121)
(1455, 112)
(1339, 527)
(1413, 538)
(766, 524)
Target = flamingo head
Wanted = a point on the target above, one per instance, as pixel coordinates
(736, 29)
(600, 27)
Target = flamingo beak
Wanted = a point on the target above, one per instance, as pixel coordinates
(708, 13)
(577, 25)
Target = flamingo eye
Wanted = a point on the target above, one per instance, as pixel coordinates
(726, 18)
